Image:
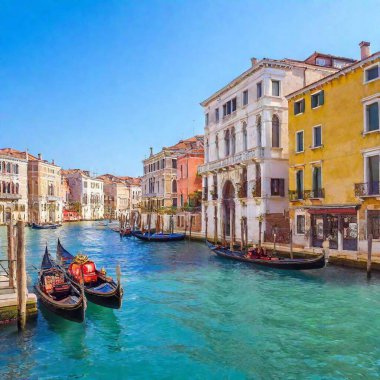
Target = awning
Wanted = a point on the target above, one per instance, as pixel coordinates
(333, 210)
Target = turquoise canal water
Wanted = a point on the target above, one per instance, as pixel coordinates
(190, 315)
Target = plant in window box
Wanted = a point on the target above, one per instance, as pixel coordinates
(214, 194)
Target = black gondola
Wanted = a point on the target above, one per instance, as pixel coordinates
(272, 262)
(158, 237)
(57, 293)
(48, 226)
(101, 290)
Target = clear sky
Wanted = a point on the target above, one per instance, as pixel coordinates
(93, 84)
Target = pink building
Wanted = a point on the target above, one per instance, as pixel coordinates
(189, 183)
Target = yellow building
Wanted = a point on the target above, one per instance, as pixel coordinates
(334, 152)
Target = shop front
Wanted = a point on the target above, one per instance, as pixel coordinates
(337, 225)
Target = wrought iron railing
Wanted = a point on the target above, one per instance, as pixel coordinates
(367, 189)
(314, 194)
(297, 195)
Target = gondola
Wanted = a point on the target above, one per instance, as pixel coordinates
(49, 226)
(98, 288)
(57, 293)
(271, 262)
(158, 237)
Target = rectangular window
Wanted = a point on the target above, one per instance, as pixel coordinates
(299, 141)
(259, 90)
(373, 174)
(229, 107)
(245, 97)
(217, 115)
(206, 118)
(372, 73)
(299, 107)
(300, 222)
(317, 182)
(299, 184)
(277, 186)
(317, 99)
(317, 136)
(372, 117)
(174, 164)
(275, 88)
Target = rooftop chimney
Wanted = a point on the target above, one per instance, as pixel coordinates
(253, 61)
(151, 151)
(40, 156)
(364, 50)
(53, 161)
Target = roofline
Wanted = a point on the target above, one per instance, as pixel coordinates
(285, 63)
(333, 76)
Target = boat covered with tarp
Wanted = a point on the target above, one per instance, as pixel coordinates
(57, 292)
(98, 287)
(269, 261)
(158, 236)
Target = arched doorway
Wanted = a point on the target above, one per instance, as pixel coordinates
(229, 207)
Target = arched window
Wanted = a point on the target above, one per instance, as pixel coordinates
(15, 169)
(12, 188)
(275, 132)
(17, 188)
(258, 127)
(9, 188)
(233, 141)
(8, 167)
(227, 143)
(3, 166)
(245, 137)
(207, 150)
(217, 146)
(174, 186)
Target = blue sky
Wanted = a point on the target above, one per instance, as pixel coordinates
(93, 84)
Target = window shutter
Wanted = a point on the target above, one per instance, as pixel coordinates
(295, 108)
(282, 187)
(272, 187)
(302, 105)
(322, 97)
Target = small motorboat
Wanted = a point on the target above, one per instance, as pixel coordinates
(57, 293)
(46, 226)
(272, 262)
(98, 288)
(158, 237)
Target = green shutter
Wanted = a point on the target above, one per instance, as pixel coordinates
(322, 97)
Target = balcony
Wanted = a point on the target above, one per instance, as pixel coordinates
(314, 194)
(238, 158)
(10, 197)
(297, 195)
(367, 189)
(53, 198)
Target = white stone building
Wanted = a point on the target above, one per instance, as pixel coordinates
(86, 191)
(13, 185)
(246, 147)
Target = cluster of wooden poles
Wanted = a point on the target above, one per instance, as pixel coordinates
(17, 268)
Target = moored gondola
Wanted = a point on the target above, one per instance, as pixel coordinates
(271, 262)
(98, 288)
(47, 226)
(158, 237)
(57, 293)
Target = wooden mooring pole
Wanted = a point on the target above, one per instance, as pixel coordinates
(246, 234)
(231, 232)
(242, 234)
(11, 254)
(21, 276)
(215, 225)
(291, 243)
(191, 225)
(369, 258)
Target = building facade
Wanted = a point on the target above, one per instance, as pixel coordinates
(117, 196)
(334, 155)
(13, 185)
(245, 174)
(86, 193)
(44, 191)
(159, 182)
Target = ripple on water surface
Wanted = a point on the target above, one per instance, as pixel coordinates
(189, 314)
